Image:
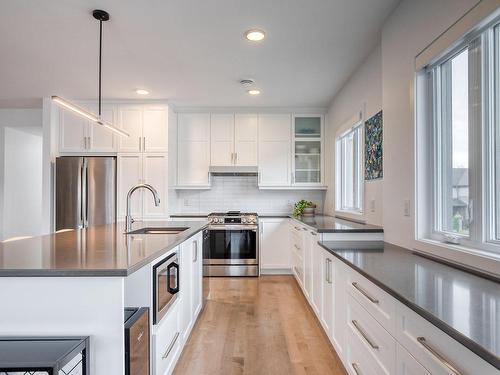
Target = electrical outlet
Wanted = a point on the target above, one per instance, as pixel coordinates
(372, 205)
(406, 209)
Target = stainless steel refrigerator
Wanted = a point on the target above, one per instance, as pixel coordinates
(85, 191)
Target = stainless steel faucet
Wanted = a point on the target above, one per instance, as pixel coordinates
(128, 218)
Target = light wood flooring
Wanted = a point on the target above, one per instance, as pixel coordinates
(257, 326)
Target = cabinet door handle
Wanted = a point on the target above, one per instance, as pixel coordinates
(365, 293)
(235, 158)
(329, 270)
(144, 144)
(195, 251)
(140, 144)
(171, 346)
(438, 356)
(363, 333)
(356, 368)
(326, 269)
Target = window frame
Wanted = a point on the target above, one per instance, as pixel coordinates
(340, 170)
(483, 138)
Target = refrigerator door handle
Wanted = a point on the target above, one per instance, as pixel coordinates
(84, 193)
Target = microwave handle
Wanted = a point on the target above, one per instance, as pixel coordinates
(170, 289)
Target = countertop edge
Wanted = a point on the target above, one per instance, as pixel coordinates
(464, 340)
(368, 230)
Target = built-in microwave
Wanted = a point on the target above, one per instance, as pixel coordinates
(165, 285)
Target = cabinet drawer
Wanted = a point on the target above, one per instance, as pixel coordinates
(298, 268)
(378, 303)
(167, 341)
(358, 359)
(297, 239)
(377, 342)
(435, 350)
(406, 364)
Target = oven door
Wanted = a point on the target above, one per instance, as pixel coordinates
(165, 285)
(232, 244)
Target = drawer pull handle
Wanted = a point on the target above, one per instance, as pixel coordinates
(356, 368)
(365, 293)
(314, 233)
(171, 346)
(364, 334)
(438, 355)
(298, 248)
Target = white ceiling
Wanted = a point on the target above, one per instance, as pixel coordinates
(191, 52)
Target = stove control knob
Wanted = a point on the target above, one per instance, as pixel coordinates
(244, 220)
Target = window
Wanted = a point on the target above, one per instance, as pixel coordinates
(462, 202)
(349, 150)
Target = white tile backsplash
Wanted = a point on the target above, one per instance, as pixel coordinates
(240, 193)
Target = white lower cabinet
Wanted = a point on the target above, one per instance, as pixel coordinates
(371, 331)
(173, 331)
(274, 250)
(406, 364)
(437, 352)
(191, 287)
(167, 341)
(377, 342)
(327, 280)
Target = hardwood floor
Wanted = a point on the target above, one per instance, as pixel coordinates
(257, 326)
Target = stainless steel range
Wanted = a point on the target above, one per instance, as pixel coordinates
(230, 245)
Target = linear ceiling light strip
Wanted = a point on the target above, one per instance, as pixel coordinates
(101, 16)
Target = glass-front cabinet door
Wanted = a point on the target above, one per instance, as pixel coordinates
(308, 150)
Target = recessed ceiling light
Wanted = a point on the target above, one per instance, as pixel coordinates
(142, 92)
(255, 35)
(254, 92)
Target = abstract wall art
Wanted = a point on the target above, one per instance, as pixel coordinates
(373, 148)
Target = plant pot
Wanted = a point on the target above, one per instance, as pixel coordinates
(309, 211)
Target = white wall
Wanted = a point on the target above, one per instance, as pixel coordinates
(20, 172)
(410, 28)
(362, 91)
(240, 193)
(386, 80)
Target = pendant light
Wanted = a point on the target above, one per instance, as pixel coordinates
(101, 16)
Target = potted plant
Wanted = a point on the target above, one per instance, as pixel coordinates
(304, 208)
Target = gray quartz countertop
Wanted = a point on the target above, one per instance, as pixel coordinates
(101, 250)
(464, 305)
(331, 224)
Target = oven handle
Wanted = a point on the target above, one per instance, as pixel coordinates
(233, 227)
(176, 289)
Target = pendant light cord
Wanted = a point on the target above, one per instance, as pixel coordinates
(100, 57)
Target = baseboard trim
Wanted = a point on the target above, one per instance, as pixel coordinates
(275, 271)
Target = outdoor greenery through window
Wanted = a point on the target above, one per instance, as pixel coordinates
(349, 170)
(464, 103)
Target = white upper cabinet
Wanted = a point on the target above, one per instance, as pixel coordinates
(308, 150)
(193, 150)
(274, 150)
(233, 140)
(72, 132)
(245, 139)
(130, 120)
(221, 139)
(102, 139)
(76, 134)
(155, 129)
(147, 127)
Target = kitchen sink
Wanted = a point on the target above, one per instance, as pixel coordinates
(158, 230)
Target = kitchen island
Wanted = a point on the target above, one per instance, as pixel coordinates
(78, 282)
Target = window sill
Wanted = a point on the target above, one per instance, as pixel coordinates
(480, 260)
(351, 215)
